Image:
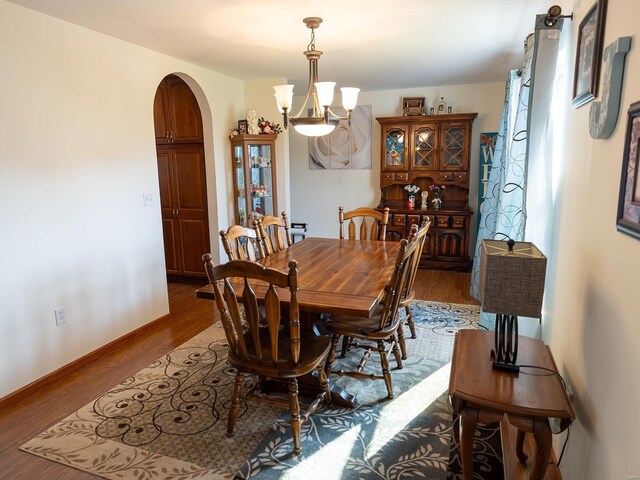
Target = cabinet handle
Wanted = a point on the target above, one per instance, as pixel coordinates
(167, 135)
(170, 136)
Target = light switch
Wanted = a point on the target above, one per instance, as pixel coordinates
(148, 199)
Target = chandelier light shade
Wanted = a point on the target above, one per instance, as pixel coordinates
(317, 103)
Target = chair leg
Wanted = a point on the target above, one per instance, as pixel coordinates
(345, 346)
(324, 384)
(235, 401)
(396, 351)
(401, 342)
(294, 408)
(409, 318)
(332, 354)
(385, 368)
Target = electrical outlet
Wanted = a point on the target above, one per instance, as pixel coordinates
(147, 199)
(570, 395)
(59, 314)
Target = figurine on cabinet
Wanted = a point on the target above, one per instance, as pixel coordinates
(425, 204)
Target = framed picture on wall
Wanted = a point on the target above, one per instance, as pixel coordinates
(589, 54)
(628, 220)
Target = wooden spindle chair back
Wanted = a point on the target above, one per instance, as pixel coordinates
(400, 277)
(273, 233)
(421, 237)
(241, 243)
(252, 348)
(372, 223)
(408, 293)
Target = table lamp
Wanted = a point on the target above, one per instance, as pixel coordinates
(512, 278)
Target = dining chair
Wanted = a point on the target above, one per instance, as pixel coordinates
(373, 224)
(379, 329)
(271, 352)
(241, 243)
(409, 293)
(269, 230)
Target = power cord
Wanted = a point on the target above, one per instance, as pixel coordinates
(564, 385)
(564, 446)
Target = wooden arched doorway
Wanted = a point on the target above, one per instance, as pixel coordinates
(181, 173)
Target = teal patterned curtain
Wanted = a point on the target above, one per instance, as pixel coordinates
(504, 211)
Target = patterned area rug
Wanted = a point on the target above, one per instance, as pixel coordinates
(169, 420)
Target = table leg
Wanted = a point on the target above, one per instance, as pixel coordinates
(468, 422)
(542, 437)
(522, 457)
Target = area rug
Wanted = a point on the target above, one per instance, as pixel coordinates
(168, 421)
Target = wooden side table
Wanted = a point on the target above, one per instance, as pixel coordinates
(528, 399)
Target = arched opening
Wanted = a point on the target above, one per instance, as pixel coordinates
(180, 148)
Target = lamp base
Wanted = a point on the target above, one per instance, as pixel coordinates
(506, 367)
(506, 343)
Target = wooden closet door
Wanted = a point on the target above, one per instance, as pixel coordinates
(191, 203)
(169, 221)
(184, 112)
(161, 120)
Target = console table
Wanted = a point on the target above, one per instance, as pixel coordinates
(528, 399)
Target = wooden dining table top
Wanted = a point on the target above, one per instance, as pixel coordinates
(335, 276)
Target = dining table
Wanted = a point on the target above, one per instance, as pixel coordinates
(335, 277)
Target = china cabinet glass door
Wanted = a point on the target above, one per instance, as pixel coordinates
(254, 177)
(238, 155)
(261, 180)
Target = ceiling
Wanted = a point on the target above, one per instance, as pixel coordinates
(371, 44)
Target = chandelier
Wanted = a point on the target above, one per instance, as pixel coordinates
(320, 120)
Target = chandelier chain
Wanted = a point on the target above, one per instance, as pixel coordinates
(312, 43)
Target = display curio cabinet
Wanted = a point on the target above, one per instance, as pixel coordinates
(254, 177)
(426, 151)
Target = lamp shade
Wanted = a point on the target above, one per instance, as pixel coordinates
(284, 96)
(325, 93)
(349, 97)
(512, 283)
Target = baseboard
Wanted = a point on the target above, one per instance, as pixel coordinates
(36, 385)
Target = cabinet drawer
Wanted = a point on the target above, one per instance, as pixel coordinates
(402, 176)
(398, 220)
(442, 221)
(413, 220)
(461, 176)
(387, 175)
(458, 222)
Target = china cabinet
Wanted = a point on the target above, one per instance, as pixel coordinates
(254, 177)
(426, 151)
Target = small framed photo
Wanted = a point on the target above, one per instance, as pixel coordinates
(589, 55)
(628, 220)
(242, 127)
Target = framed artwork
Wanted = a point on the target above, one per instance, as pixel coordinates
(242, 126)
(589, 55)
(347, 147)
(629, 201)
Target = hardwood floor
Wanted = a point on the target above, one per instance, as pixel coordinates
(189, 316)
(21, 422)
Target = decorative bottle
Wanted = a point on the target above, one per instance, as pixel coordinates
(442, 106)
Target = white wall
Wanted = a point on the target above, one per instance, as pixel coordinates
(316, 194)
(77, 152)
(591, 317)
